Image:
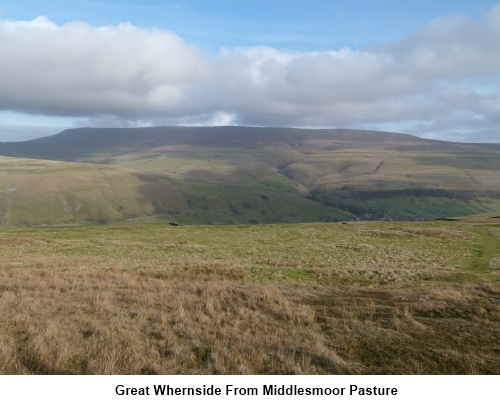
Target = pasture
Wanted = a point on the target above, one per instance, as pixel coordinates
(318, 298)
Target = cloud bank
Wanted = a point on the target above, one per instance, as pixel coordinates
(442, 82)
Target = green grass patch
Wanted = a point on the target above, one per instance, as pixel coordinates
(488, 247)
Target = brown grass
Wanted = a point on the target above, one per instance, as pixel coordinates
(107, 323)
(163, 301)
(101, 322)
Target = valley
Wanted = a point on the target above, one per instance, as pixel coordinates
(239, 175)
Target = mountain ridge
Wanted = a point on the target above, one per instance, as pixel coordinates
(244, 174)
(78, 138)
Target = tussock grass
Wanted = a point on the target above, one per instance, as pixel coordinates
(287, 299)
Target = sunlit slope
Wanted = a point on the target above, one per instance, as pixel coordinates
(400, 166)
(239, 174)
(34, 192)
(372, 175)
(439, 180)
(45, 192)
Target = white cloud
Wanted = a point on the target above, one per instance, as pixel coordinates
(444, 79)
(217, 119)
(77, 69)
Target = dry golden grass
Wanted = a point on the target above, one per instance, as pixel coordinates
(302, 299)
(495, 263)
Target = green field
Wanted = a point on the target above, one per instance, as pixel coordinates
(317, 298)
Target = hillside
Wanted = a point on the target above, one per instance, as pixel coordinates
(242, 175)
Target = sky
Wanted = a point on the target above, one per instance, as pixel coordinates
(428, 68)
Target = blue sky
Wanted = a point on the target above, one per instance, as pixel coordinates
(252, 63)
(299, 25)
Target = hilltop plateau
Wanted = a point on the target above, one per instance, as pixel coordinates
(230, 175)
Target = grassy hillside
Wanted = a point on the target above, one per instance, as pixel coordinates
(241, 175)
(40, 192)
(363, 297)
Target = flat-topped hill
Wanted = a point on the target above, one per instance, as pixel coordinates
(243, 174)
(84, 144)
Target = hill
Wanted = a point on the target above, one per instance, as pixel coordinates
(242, 175)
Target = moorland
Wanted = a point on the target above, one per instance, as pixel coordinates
(316, 298)
(299, 252)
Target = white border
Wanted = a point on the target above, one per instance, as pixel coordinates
(89, 390)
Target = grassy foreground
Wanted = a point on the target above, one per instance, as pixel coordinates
(302, 299)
